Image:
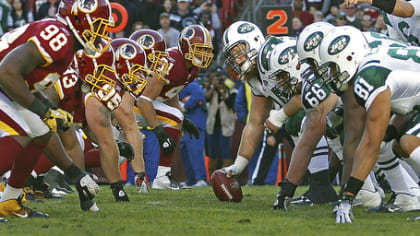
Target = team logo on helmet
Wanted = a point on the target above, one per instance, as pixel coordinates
(245, 28)
(287, 55)
(88, 6)
(313, 41)
(338, 44)
(146, 41)
(127, 51)
(189, 34)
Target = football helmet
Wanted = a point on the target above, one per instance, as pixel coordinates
(130, 64)
(154, 45)
(88, 20)
(341, 52)
(284, 66)
(247, 34)
(309, 40)
(99, 75)
(195, 44)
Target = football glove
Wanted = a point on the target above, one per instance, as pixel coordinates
(284, 196)
(57, 120)
(126, 150)
(189, 126)
(343, 212)
(167, 144)
(86, 187)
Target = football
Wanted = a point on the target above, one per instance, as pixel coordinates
(226, 189)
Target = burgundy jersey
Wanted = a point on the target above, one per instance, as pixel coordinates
(55, 43)
(178, 75)
(70, 95)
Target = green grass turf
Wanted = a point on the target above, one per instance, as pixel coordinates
(198, 212)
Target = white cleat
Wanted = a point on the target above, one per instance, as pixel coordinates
(367, 199)
(404, 202)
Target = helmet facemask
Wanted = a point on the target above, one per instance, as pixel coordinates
(101, 82)
(135, 79)
(200, 54)
(240, 58)
(332, 76)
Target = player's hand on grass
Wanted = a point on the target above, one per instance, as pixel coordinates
(343, 212)
(281, 202)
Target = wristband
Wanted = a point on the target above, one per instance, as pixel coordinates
(38, 107)
(353, 186)
(386, 5)
(241, 162)
(277, 117)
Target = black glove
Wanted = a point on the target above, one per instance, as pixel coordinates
(167, 144)
(391, 133)
(126, 150)
(189, 126)
(285, 194)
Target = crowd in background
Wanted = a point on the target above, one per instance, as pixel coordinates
(218, 104)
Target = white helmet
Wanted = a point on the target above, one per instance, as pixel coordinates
(248, 34)
(309, 40)
(341, 51)
(284, 65)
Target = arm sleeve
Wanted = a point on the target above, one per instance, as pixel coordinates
(416, 6)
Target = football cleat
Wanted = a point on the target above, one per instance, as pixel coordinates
(57, 180)
(14, 207)
(2, 220)
(201, 183)
(89, 205)
(141, 184)
(301, 200)
(400, 203)
(164, 179)
(367, 199)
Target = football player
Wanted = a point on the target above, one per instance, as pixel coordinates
(267, 66)
(375, 80)
(103, 97)
(160, 96)
(400, 8)
(32, 58)
(132, 70)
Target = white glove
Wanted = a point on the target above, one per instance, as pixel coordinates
(87, 186)
(237, 167)
(277, 117)
(343, 212)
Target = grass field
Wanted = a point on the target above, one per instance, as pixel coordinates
(198, 212)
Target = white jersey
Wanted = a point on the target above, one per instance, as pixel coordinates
(381, 40)
(406, 29)
(395, 68)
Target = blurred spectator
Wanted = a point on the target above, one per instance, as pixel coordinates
(330, 18)
(351, 16)
(298, 11)
(169, 34)
(20, 15)
(149, 13)
(319, 5)
(138, 25)
(184, 17)
(167, 5)
(367, 23)
(47, 9)
(341, 19)
(220, 119)
(192, 150)
(380, 25)
(297, 26)
(209, 8)
(5, 18)
(318, 17)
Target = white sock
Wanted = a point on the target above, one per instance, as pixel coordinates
(10, 193)
(58, 169)
(319, 161)
(33, 173)
(409, 170)
(368, 185)
(414, 160)
(393, 171)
